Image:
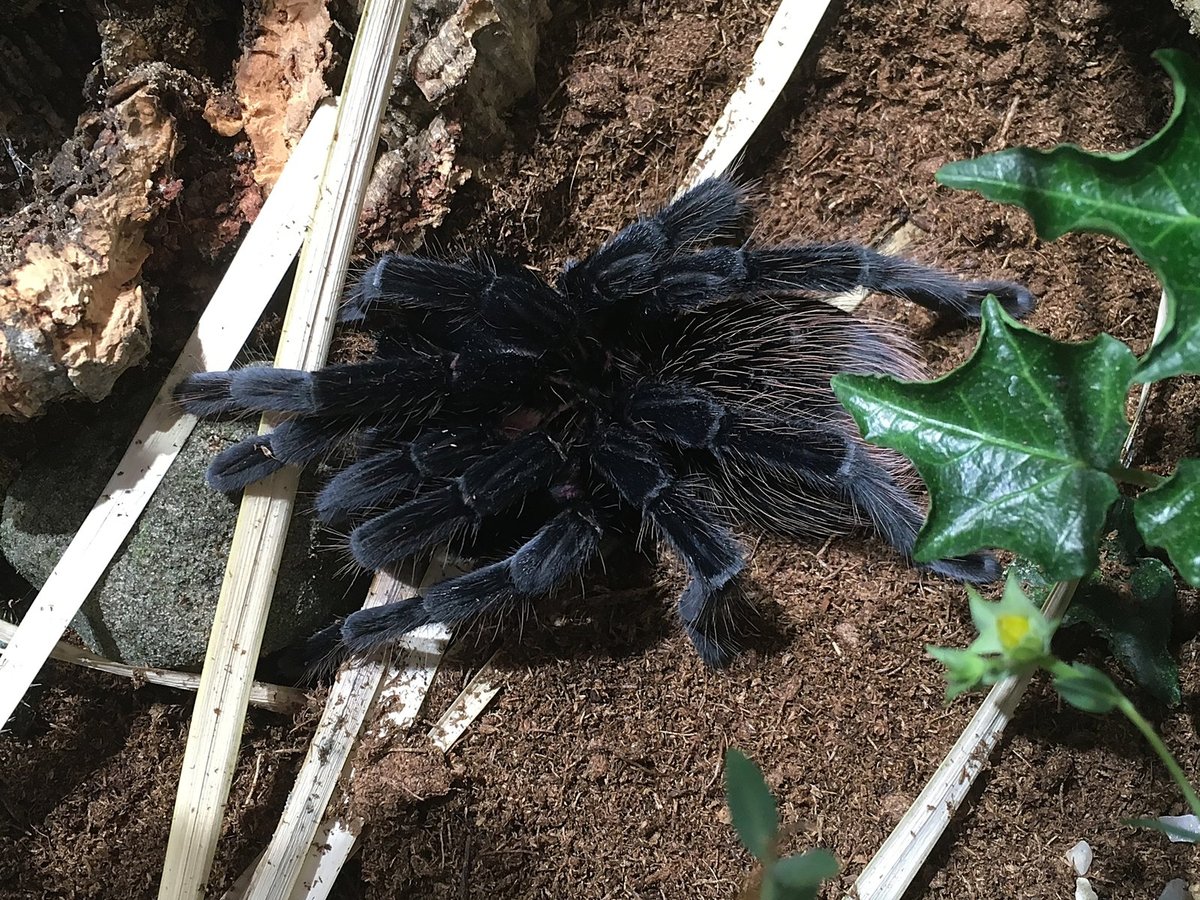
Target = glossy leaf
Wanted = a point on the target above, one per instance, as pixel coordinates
(1169, 517)
(1148, 197)
(751, 806)
(1015, 445)
(1135, 619)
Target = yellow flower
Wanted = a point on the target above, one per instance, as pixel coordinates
(1012, 630)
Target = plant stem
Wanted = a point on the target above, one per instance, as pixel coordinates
(1140, 477)
(1124, 705)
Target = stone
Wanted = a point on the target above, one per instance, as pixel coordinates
(155, 603)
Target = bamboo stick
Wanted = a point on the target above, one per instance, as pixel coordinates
(787, 37)
(273, 697)
(353, 694)
(267, 506)
(467, 707)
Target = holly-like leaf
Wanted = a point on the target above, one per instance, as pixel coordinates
(1136, 622)
(751, 806)
(965, 669)
(1169, 517)
(1148, 197)
(1015, 445)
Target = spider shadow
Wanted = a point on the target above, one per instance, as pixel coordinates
(613, 613)
(621, 612)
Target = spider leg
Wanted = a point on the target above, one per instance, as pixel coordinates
(627, 264)
(709, 276)
(711, 553)
(398, 281)
(560, 549)
(818, 453)
(510, 300)
(694, 418)
(487, 487)
(295, 442)
(390, 386)
(380, 385)
(385, 475)
(898, 518)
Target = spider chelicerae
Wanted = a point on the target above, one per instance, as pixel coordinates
(673, 384)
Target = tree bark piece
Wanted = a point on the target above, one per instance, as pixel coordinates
(73, 313)
(279, 82)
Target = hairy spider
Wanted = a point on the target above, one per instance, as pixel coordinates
(674, 383)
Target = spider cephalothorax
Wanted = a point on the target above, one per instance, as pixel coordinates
(670, 384)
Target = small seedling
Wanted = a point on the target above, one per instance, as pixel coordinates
(756, 819)
(1014, 639)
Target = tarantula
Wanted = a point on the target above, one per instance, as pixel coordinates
(674, 383)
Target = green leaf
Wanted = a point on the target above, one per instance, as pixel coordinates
(1034, 581)
(1148, 197)
(799, 877)
(751, 805)
(1135, 619)
(1085, 688)
(1169, 517)
(965, 669)
(1015, 445)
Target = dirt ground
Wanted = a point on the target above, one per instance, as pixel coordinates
(596, 774)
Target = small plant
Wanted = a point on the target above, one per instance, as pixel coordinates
(756, 819)
(1021, 447)
(1014, 639)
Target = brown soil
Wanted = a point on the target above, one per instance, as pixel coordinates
(597, 772)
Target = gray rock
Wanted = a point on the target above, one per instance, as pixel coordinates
(154, 606)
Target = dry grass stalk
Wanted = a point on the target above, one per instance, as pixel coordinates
(267, 506)
(333, 846)
(298, 859)
(786, 38)
(255, 273)
(467, 707)
(279, 870)
(266, 696)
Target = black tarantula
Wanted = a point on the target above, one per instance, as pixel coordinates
(673, 383)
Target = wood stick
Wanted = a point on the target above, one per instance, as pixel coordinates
(787, 37)
(273, 697)
(266, 509)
